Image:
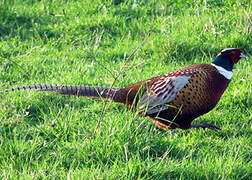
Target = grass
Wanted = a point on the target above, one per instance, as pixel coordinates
(44, 135)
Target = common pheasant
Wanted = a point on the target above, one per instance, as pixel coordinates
(171, 100)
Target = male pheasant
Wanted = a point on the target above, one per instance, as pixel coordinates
(172, 100)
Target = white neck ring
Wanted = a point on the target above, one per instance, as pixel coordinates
(227, 74)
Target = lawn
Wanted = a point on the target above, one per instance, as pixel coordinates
(100, 43)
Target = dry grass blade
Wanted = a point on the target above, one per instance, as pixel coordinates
(120, 72)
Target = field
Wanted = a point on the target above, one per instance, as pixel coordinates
(100, 43)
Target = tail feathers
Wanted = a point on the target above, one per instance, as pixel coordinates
(89, 91)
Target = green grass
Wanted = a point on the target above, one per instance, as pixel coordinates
(44, 135)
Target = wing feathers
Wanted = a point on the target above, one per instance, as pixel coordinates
(162, 92)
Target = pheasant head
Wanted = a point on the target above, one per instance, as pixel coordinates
(228, 57)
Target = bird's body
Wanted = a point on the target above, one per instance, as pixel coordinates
(201, 92)
(172, 100)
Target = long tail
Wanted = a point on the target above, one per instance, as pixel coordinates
(114, 94)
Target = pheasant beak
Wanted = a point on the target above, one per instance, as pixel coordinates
(243, 56)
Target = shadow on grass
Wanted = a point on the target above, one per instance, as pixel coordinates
(28, 26)
(188, 51)
(25, 26)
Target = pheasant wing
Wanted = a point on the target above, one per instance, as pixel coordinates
(161, 93)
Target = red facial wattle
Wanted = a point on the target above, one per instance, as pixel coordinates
(235, 56)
